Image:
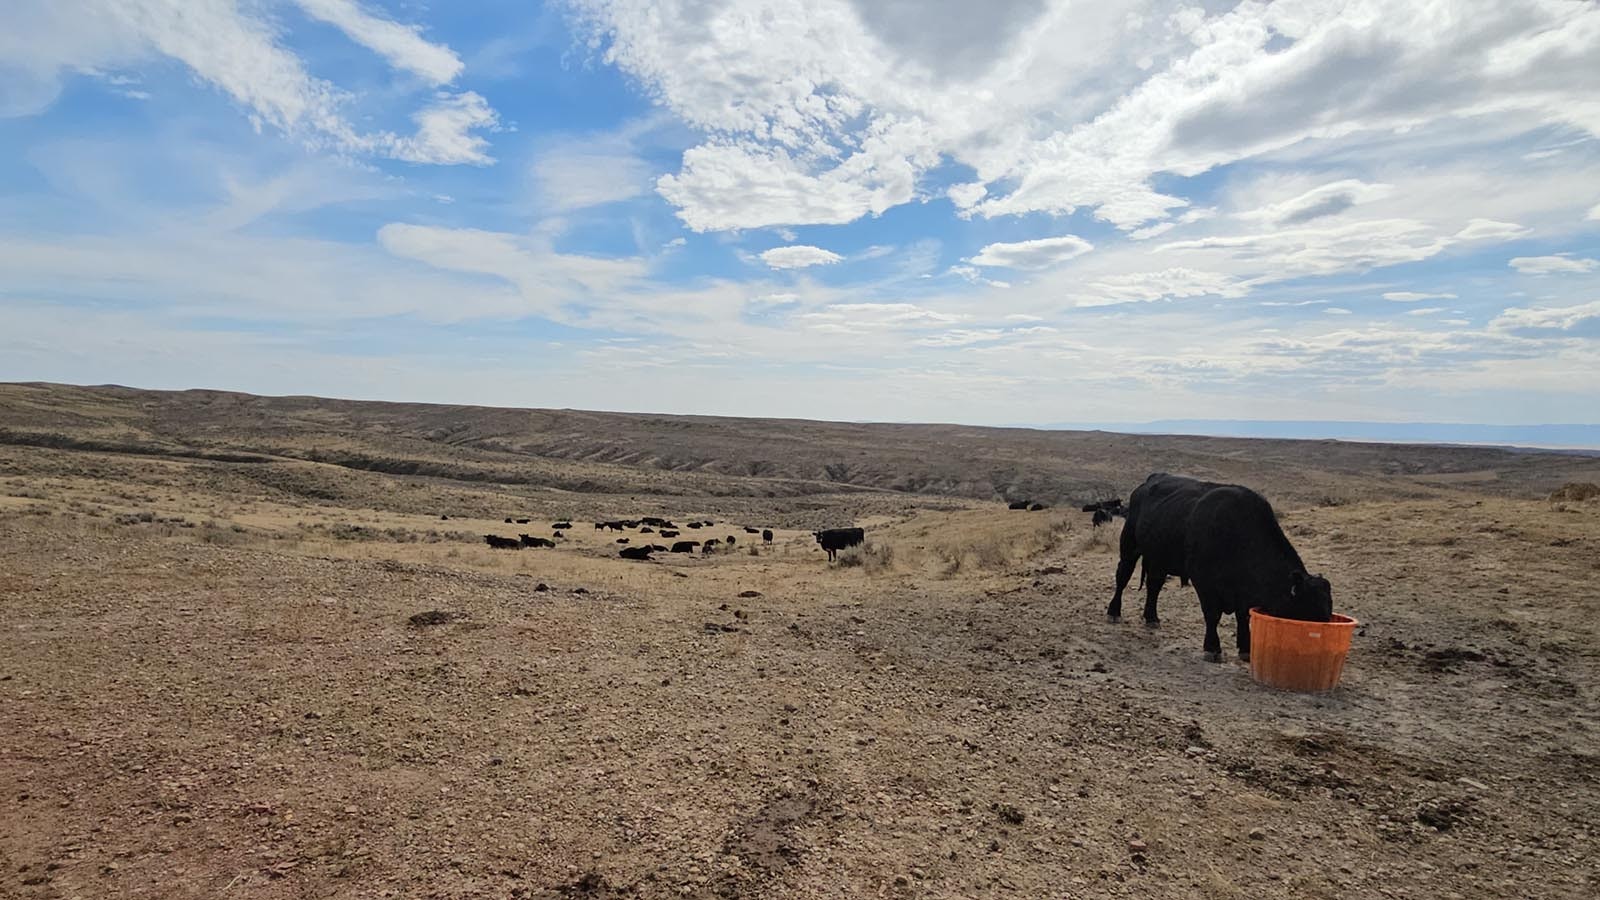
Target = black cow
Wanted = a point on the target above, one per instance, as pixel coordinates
(647, 530)
(657, 548)
(536, 541)
(1101, 517)
(559, 534)
(1017, 504)
(685, 546)
(656, 522)
(523, 521)
(1036, 507)
(668, 533)
(508, 520)
(1225, 540)
(751, 530)
(599, 526)
(622, 540)
(562, 526)
(636, 553)
(835, 539)
(497, 542)
(694, 524)
(766, 535)
(708, 523)
(729, 540)
(444, 518)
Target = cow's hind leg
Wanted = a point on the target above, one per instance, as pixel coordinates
(1125, 563)
(1213, 614)
(1153, 580)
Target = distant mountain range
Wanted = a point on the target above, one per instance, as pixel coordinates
(1565, 437)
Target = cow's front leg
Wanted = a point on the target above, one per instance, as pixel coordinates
(1213, 615)
(1243, 632)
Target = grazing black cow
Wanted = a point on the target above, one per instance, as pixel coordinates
(599, 526)
(712, 542)
(536, 541)
(656, 522)
(668, 533)
(615, 526)
(562, 526)
(497, 542)
(835, 539)
(1017, 504)
(1036, 507)
(694, 524)
(766, 535)
(647, 530)
(523, 521)
(748, 529)
(1225, 540)
(559, 534)
(685, 546)
(444, 518)
(1101, 517)
(508, 520)
(636, 553)
(622, 540)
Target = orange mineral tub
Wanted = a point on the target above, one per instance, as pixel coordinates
(1299, 656)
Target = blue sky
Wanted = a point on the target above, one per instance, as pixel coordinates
(1020, 211)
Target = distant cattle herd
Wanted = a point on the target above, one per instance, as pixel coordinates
(1224, 539)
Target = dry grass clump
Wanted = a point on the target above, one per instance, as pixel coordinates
(873, 556)
(978, 542)
(1576, 491)
(1099, 540)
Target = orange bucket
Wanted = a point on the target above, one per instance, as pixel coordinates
(1299, 656)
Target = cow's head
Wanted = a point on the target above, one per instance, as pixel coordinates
(1310, 598)
(817, 535)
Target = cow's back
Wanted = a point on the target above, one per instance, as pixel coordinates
(1158, 520)
(1237, 549)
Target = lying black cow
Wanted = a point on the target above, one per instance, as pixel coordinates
(835, 539)
(523, 521)
(685, 546)
(749, 529)
(535, 541)
(1018, 504)
(508, 520)
(622, 540)
(1035, 507)
(655, 521)
(766, 535)
(497, 542)
(636, 553)
(647, 530)
(1225, 540)
(668, 533)
(560, 526)
(694, 524)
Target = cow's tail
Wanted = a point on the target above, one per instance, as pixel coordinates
(1141, 574)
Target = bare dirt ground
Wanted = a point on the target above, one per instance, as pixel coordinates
(211, 686)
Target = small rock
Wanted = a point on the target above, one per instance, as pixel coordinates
(1475, 785)
(901, 881)
(1137, 846)
(432, 617)
(749, 593)
(1195, 751)
(580, 590)
(540, 588)
(1098, 667)
(1258, 834)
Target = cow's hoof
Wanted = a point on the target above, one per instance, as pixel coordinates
(1152, 623)
(1213, 656)
(1115, 620)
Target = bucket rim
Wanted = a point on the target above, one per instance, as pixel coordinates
(1339, 619)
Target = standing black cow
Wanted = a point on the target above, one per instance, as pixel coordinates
(1100, 517)
(835, 539)
(766, 535)
(1226, 541)
(685, 546)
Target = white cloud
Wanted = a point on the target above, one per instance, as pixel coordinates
(1156, 285)
(1337, 311)
(1326, 200)
(237, 50)
(1560, 318)
(402, 45)
(1414, 296)
(799, 256)
(1594, 213)
(1036, 254)
(1425, 311)
(445, 132)
(1490, 230)
(859, 318)
(826, 111)
(573, 176)
(1548, 265)
(973, 275)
